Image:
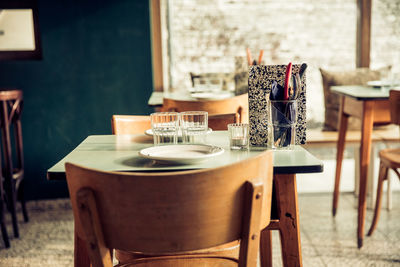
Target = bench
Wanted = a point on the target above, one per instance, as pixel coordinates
(317, 138)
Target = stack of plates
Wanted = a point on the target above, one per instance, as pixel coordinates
(181, 154)
(211, 95)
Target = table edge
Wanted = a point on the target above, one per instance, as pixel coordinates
(360, 98)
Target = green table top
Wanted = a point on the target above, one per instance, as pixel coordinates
(120, 153)
(361, 92)
(156, 98)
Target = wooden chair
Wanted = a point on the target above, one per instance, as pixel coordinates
(237, 104)
(11, 109)
(170, 213)
(134, 124)
(130, 124)
(389, 159)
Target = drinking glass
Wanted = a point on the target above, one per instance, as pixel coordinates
(199, 84)
(194, 126)
(165, 126)
(283, 120)
(238, 135)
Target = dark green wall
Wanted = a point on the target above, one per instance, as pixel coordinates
(96, 62)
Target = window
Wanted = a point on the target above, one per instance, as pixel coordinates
(212, 36)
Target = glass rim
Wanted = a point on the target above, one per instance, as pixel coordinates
(238, 124)
(199, 112)
(164, 113)
(286, 101)
(283, 125)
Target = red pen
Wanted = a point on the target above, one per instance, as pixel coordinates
(287, 81)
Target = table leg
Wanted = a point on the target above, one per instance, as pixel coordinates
(81, 257)
(289, 226)
(343, 119)
(266, 248)
(365, 153)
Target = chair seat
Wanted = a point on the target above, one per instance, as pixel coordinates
(230, 250)
(391, 157)
(183, 261)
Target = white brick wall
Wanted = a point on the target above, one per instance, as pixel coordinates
(206, 36)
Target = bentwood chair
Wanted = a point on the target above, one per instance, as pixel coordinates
(389, 159)
(134, 124)
(167, 214)
(11, 108)
(237, 104)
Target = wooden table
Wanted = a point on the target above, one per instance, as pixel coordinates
(371, 105)
(120, 153)
(156, 98)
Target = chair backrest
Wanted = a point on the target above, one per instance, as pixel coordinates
(394, 98)
(130, 124)
(172, 212)
(135, 124)
(11, 102)
(237, 104)
(219, 122)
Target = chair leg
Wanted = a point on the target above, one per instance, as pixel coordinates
(24, 211)
(21, 198)
(339, 156)
(383, 171)
(2, 224)
(388, 193)
(10, 189)
(14, 220)
(5, 235)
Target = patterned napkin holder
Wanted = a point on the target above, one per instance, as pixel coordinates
(260, 80)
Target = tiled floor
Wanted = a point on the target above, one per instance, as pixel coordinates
(47, 240)
(328, 241)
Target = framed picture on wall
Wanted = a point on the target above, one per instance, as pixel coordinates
(19, 30)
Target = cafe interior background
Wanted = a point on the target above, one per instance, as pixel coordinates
(97, 61)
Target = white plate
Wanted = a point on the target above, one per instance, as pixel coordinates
(211, 95)
(183, 154)
(150, 132)
(383, 83)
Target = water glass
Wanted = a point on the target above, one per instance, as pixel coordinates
(283, 120)
(165, 126)
(238, 135)
(199, 84)
(194, 126)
